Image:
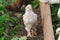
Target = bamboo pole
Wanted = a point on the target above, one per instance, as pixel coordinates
(46, 21)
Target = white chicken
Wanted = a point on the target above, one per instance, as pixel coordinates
(29, 19)
(58, 14)
(58, 32)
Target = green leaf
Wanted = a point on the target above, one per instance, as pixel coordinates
(1, 30)
(23, 38)
(2, 7)
(11, 32)
(1, 1)
(2, 38)
(35, 4)
(10, 1)
(18, 26)
(13, 19)
(14, 38)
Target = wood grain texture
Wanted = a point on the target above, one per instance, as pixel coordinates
(46, 21)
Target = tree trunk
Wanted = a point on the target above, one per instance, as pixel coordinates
(46, 21)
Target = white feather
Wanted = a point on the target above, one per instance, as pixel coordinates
(58, 32)
(58, 14)
(29, 18)
(58, 38)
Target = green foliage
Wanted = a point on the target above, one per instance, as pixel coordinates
(2, 18)
(35, 4)
(10, 1)
(23, 38)
(55, 19)
(5, 20)
(3, 38)
(11, 32)
(1, 31)
(13, 19)
(1, 12)
(18, 26)
(2, 5)
(1, 1)
(15, 38)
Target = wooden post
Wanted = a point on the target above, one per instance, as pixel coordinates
(46, 21)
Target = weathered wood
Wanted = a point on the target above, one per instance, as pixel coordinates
(46, 21)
